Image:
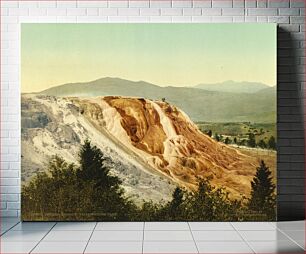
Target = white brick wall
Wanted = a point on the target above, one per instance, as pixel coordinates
(290, 13)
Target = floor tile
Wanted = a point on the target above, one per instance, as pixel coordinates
(297, 235)
(253, 225)
(273, 235)
(107, 236)
(114, 247)
(301, 243)
(3, 230)
(166, 226)
(223, 247)
(169, 247)
(63, 226)
(216, 236)
(160, 237)
(8, 224)
(17, 247)
(22, 236)
(291, 225)
(67, 236)
(5, 226)
(211, 226)
(276, 247)
(33, 226)
(167, 236)
(60, 247)
(120, 226)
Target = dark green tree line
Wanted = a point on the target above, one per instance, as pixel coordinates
(90, 192)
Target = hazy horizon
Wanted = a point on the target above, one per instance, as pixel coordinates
(179, 55)
(182, 86)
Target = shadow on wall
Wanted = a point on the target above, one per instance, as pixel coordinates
(290, 120)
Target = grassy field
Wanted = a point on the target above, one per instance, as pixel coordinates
(268, 156)
(240, 131)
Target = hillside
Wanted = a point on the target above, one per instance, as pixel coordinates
(234, 87)
(151, 145)
(51, 125)
(199, 104)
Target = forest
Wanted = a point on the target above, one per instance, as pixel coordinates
(89, 191)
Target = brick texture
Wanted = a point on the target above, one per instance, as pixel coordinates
(290, 14)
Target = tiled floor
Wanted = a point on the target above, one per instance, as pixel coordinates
(152, 237)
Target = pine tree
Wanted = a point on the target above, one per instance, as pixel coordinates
(262, 144)
(175, 207)
(263, 192)
(227, 140)
(93, 169)
(251, 141)
(272, 143)
(217, 137)
(107, 196)
(202, 205)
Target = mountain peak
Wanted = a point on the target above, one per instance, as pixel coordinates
(106, 79)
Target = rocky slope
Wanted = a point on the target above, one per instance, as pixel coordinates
(53, 125)
(151, 145)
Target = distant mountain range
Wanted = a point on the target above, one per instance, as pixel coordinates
(230, 103)
(234, 87)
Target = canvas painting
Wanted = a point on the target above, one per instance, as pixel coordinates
(148, 122)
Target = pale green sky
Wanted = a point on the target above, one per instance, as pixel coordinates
(163, 54)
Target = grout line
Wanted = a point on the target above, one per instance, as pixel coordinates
(247, 243)
(10, 228)
(42, 238)
(143, 232)
(233, 226)
(290, 238)
(273, 225)
(193, 238)
(90, 237)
